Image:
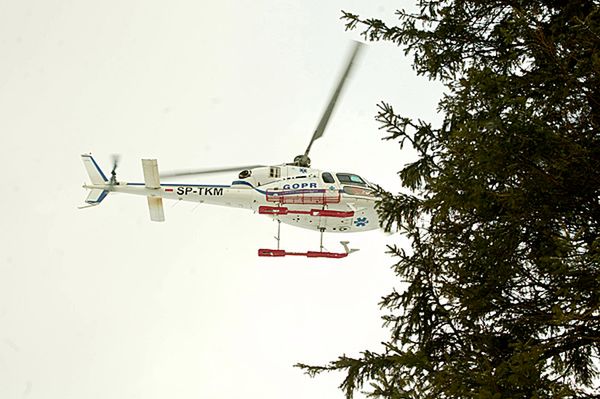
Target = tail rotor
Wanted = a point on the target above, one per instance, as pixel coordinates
(113, 173)
(98, 187)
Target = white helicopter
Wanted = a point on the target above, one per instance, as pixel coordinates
(292, 193)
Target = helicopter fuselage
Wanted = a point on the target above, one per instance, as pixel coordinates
(294, 193)
(302, 197)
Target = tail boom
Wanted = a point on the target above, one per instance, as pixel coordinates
(225, 195)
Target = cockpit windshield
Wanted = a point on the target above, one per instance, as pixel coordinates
(348, 178)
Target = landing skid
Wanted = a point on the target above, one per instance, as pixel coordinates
(309, 254)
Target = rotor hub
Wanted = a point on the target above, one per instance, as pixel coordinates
(302, 161)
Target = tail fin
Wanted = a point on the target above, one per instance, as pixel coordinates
(96, 175)
(97, 178)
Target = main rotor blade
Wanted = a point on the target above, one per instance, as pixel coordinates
(328, 111)
(193, 172)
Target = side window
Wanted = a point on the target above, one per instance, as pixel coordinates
(275, 172)
(327, 177)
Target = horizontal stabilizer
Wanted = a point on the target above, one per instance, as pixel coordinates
(157, 213)
(96, 196)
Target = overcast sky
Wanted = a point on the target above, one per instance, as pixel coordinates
(103, 303)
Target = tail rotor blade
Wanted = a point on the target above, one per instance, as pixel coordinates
(115, 161)
(113, 172)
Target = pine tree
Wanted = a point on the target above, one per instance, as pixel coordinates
(502, 294)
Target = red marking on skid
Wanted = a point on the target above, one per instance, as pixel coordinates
(330, 213)
(168, 189)
(271, 252)
(281, 210)
(308, 254)
(272, 210)
(303, 197)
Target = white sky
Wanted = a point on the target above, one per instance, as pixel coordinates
(102, 303)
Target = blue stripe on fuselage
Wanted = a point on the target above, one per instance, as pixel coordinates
(245, 183)
(241, 183)
(183, 185)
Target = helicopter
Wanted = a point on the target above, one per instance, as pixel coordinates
(291, 193)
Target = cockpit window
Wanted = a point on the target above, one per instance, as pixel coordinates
(347, 178)
(327, 177)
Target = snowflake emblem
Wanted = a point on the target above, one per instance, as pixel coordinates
(303, 170)
(361, 222)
